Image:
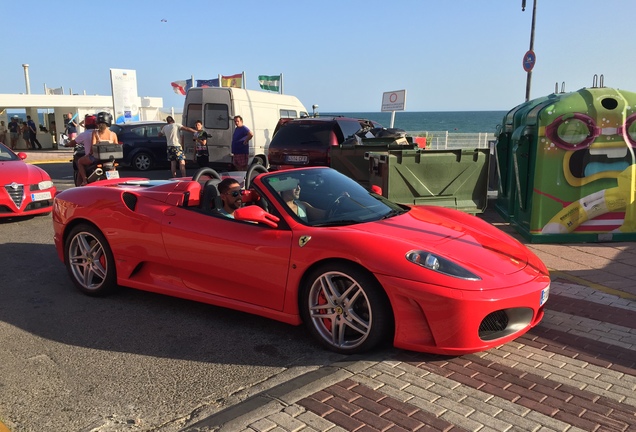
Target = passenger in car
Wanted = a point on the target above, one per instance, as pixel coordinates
(290, 193)
(230, 191)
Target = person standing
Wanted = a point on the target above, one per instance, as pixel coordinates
(33, 133)
(175, 152)
(201, 141)
(24, 128)
(71, 126)
(14, 132)
(3, 132)
(240, 144)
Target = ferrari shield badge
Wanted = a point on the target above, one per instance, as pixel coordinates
(303, 240)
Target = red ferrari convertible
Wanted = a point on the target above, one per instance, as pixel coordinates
(308, 246)
(27, 190)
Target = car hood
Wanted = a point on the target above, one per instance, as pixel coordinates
(20, 172)
(464, 239)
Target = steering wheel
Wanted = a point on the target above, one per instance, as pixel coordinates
(206, 171)
(335, 208)
(253, 171)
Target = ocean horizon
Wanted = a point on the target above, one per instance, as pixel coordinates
(451, 121)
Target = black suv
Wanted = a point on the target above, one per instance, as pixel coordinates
(307, 141)
(143, 147)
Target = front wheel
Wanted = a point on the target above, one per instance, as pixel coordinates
(142, 162)
(89, 261)
(345, 308)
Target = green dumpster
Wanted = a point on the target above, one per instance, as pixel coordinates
(349, 159)
(455, 179)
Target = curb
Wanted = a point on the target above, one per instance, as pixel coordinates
(239, 416)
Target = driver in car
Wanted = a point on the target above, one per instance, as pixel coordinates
(230, 191)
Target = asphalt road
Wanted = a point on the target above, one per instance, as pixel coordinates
(133, 360)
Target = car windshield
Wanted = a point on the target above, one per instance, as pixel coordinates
(313, 134)
(7, 155)
(325, 197)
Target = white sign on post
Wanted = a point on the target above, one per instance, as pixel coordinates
(393, 101)
(125, 100)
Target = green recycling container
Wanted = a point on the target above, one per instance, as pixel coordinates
(449, 178)
(349, 159)
(568, 167)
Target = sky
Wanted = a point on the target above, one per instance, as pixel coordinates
(342, 55)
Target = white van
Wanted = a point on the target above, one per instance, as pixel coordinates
(216, 108)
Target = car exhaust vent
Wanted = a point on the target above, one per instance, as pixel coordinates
(130, 200)
(16, 192)
(494, 323)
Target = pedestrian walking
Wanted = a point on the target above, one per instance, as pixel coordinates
(33, 133)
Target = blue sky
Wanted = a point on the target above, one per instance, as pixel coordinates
(449, 55)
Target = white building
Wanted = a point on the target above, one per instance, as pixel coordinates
(58, 105)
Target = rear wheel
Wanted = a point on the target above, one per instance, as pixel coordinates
(345, 308)
(89, 261)
(142, 162)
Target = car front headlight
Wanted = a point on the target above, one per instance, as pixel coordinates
(441, 265)
(46, 184)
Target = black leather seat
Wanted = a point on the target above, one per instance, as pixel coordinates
(210, 198)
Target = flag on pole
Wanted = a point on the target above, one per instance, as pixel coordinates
(269, 82)
(232, 80)
(181, 87)
(208, 83)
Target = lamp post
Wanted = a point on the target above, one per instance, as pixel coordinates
(531, 50)
(26, 78)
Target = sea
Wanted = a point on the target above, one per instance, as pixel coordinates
(451, 121)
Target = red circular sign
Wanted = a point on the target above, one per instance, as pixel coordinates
(529, 59)
(392, 97)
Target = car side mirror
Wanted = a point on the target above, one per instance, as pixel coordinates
(256, 214)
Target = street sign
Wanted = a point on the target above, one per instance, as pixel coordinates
(529, 59)
(394, 100)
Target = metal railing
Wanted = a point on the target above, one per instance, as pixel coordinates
(444, 140)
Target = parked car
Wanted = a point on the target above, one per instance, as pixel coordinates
(310, 246)
(26, 189)
(144, 149)
(307, 141)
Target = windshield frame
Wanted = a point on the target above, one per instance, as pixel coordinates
(320, 188)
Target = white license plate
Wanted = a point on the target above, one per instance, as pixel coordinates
(292, 158)
(112, 174)
(40, 196)
(545, 293)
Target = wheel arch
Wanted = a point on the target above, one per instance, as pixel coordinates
(262, 157)
(340, 261)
